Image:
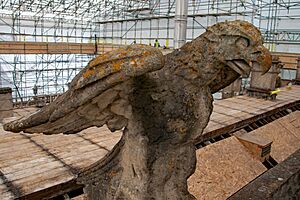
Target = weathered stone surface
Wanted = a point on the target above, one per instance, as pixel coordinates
(234, 89)
(297, 79)
(6, 103)
(261, 85)
(162, 103)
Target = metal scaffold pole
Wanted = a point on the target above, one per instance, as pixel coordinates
(181, 12)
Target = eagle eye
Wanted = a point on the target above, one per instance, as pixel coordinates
(242, 42)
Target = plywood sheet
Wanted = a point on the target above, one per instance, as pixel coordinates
(285, 134)
(222, 169)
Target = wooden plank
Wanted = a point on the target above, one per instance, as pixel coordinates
(41, 178)
(41, 163)
(247, 108)
(56, 147)
(28, 160)
(52, 167)
(44, 180)
(280, 182)
(59, 151)
(16, 139)
(259, 147)
(288, 59)
(48, 193)
(10, 47)
(10, 137)
(283, 133)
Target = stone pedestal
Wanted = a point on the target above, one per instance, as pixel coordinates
(297, 79)
(261, 86)
(6, 104)
(233, 89)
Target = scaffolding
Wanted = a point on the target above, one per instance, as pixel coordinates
(114, 23)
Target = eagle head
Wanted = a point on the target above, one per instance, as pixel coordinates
(238, 43)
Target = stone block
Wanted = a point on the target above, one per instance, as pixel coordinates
(297, 79)
(233, 89)
(6, 103)
(261, 85)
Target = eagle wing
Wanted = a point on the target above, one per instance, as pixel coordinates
(98, 95)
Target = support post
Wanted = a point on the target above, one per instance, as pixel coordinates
(181, 12)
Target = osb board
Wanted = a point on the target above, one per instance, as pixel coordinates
(222, 169)
(285, 134)
(31, 163)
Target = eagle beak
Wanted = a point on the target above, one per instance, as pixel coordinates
(242, 66)
(264, 59)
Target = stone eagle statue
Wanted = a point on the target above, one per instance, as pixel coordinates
(161, 103)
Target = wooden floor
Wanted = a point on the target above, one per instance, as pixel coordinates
(233, 113)
(222, 169)
(30, 164)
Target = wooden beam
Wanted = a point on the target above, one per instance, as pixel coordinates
(289, 60)
(259, 146)
(55, 48)
(9, 47)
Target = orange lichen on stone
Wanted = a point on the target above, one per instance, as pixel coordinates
(101, 72)
(122, 76)
(182, 130)
(88, 73)
(265, 58)
(116, 66)
(123, 54)
(112, 173)
(99, 59)
(133, 62)
(141, 62)
(147, 53)
(170, 165)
